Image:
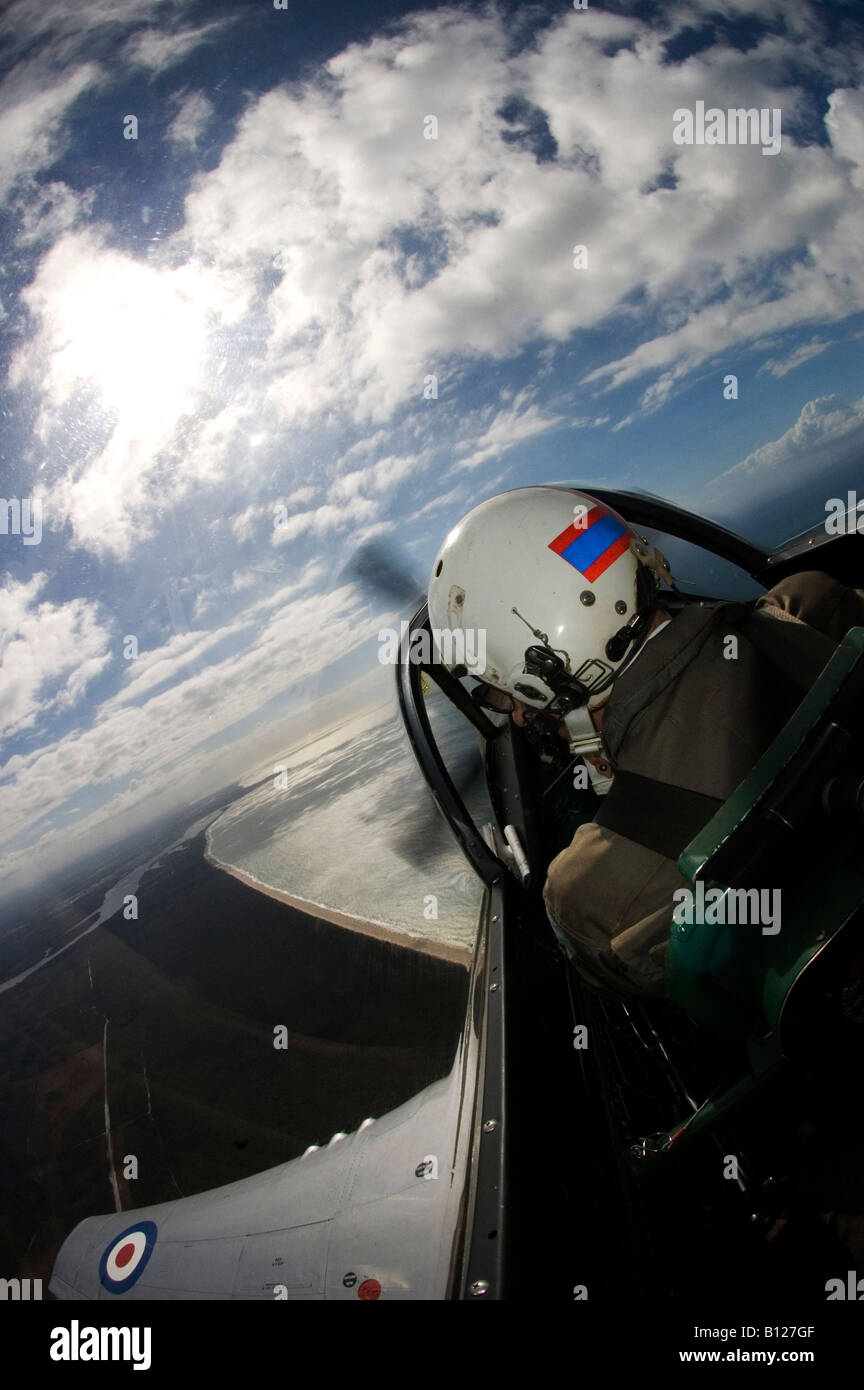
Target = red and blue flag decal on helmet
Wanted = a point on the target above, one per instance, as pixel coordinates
(124, 1260)
(592, 542)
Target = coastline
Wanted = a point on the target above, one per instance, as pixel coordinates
(457, 955)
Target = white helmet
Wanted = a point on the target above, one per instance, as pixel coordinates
(552, 587)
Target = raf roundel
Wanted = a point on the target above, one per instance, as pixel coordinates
(124, 1260)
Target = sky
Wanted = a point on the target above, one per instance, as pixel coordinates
(275, 282)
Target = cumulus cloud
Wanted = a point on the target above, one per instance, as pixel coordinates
(49, 653)
(828, 433)
(395, 255)
(298, 497)
(489, 265)
(821, 422)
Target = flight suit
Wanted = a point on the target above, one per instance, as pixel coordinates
(695, 710)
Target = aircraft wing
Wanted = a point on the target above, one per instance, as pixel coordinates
(373, 1215)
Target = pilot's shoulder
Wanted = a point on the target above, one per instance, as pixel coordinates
(816, 599)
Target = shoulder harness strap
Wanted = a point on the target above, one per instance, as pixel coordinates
(655, 814)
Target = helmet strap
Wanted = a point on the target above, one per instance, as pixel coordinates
(584, 740)
(582, 735)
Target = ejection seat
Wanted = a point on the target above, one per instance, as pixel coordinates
(796, 824)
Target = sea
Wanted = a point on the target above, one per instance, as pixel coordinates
(346, 822)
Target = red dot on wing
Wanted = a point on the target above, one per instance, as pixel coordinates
(370, 1288)
(124, 1254)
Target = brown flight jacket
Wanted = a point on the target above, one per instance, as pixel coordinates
(696, 711)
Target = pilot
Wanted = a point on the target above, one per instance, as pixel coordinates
(669, 702)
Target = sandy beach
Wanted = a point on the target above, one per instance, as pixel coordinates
(460, 955)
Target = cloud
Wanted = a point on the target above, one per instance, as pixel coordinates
(33, 111)
(54, 53)
(155, 50)
(330, 517)
(44, 645)
(278, 514)
(828, 433)
(395, 256)
(26, 21)
(378, 477)
(157, 667)
(446, 499)
(244, 525)
(804, 353)
(329, 175)
(190, 121)
(299, 497)
(45, 211)
(331, 261)
(161, 738)
(509, 428)
(137, 334)
(844, 121)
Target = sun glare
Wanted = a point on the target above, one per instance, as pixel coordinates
(140, 339)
